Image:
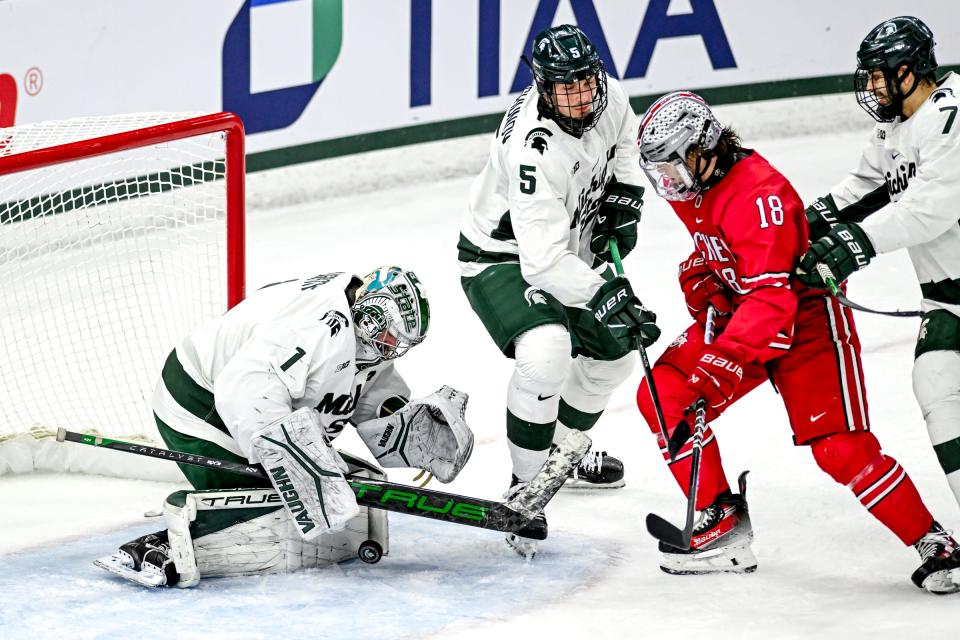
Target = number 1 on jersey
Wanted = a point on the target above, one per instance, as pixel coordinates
(776, 211)
(292, 360)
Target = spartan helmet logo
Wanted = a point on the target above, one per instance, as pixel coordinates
(923, 330)
(889, 28)
(534, 296)
(543, 44)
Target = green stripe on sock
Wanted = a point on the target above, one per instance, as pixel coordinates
(576, 419)
(529, 435)
(949, 455)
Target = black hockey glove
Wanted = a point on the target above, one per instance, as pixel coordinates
(843, 250)
(615, 306)
(821, 216)
(617, 218)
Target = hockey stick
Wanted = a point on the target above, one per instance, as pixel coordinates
(509, 516)
(658, 527)
(827, 276)
(644, 359)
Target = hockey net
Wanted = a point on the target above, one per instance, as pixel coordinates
(118, 235)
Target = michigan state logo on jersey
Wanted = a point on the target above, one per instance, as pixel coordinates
(534, 296)
(537, 139)
(335, 320)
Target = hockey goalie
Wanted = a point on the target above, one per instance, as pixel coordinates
(273, 382)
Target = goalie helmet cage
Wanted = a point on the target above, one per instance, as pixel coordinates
(118, 236)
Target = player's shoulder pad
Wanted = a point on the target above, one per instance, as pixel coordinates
(538, 139)
(516, 117)
(941, 109)
(322, 300)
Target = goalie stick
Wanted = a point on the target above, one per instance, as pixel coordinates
(509, 516)
(644, 359)
(658, 527)
(827, 276)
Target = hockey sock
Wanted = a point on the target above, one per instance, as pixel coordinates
(713, 481)
(878, 481)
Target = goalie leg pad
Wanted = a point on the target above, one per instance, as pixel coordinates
(429, 433)
(306, 472)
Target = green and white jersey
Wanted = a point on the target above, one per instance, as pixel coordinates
(288, 345)
(913, 168)
(536, 199)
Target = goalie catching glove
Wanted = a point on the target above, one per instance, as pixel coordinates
(306, 472)
(429, 433)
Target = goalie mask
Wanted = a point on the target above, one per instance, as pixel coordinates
(672, 127)
(391, 314)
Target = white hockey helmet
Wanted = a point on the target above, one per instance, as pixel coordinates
(391, 314)
(674, 125)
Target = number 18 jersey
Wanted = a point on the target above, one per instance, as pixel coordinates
(751, 230)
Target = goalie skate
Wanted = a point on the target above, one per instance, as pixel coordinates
(720, 542)
(597, 470)
(941, 556)
(144, 561)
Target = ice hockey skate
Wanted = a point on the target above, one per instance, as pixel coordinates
(526, 541)
(597, 470)
(941, 556)
(720, 542)
(145, 561)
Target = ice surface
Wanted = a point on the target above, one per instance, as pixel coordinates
(827, 569)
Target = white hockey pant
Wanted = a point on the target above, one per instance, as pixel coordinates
(234, 532)
(936, 385)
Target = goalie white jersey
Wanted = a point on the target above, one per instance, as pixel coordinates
(289, 345)
(914, 165)
(536, 200)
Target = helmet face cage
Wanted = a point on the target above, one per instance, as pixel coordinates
(570, 78)
(904, 41)
(673, 127)
(391, 313)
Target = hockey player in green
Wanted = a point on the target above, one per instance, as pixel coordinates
(561, 180)
(903, 194)
(272, 382)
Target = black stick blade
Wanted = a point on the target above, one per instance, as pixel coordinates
(667, 533)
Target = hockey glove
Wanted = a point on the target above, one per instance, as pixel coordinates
(844, 250)
(702, 288)
(429, 433)
(615, 306)
(821, 217)
(617, 218)
(715, 377)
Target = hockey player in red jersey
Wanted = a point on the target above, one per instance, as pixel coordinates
(749, 229)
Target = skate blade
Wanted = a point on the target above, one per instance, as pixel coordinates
(118, 565)
(525, 547)
(574, 484)
(737, 559)
(940, 583)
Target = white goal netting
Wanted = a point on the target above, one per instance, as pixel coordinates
(106, 262)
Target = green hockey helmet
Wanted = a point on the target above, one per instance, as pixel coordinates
(904, 41)
(570, 78)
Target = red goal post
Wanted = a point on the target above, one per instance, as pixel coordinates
(118, 235)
